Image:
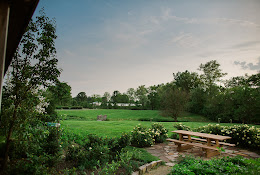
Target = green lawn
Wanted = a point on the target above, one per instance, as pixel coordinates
(120, 121)
(121, 114)
(114, 128)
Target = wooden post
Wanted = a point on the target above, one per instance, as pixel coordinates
(180, 137)
(4, 21)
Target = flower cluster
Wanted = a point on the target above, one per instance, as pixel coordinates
(180, 126)
(141, 137)
(40, 108)
(159, 132)
(242, 135)
(144, 137)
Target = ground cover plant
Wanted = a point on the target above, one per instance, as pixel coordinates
(225, 165)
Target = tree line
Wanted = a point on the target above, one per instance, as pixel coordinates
(207, 94)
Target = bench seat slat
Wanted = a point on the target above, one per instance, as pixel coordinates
(204, 140)
(193, 144)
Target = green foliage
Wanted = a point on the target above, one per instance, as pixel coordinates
(145, 137)
(117, 97)
(237, 102)
(226, 165)
(187, 80)
(159, 132)
(141, 94)
(157, 119)
(34, 66)
(242, 135)
(174, 101)
(76, 107)
(211, 73)
(60, 93)
(141, 137)
(91, 151)
(180, 126)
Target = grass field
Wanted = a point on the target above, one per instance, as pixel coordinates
(129, 115)
(120, 121)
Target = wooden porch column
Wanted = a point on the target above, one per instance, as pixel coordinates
(4, 21)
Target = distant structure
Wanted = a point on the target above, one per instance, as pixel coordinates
(101, 117)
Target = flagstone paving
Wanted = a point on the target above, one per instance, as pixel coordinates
(169, 154)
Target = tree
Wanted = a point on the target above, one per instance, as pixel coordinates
(174, 101)
(141, 94)
(117, 97)
(61, 93)
(107, 96)
(96, 98)
(211, 74)
(105, 99)
(81, 97)
(21, 99)
(187, 80)
(131, 95)
(153, 97)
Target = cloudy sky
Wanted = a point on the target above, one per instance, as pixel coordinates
(107, 45)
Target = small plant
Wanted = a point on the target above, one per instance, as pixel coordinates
(159, 132)
(225, 165)
(141, 137)
(180, 126)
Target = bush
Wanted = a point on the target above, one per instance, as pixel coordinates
(76, 107)
(226, 165)
(52, 144)
(157, 119)
(125, 164)
(159, 133)
(91, 151)
(242, 135)
(180, 126)
(141, 137)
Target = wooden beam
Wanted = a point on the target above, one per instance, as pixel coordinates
(4, 22)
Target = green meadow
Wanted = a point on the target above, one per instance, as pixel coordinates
(121, 121)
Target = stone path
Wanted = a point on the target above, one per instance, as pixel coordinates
(169, 154)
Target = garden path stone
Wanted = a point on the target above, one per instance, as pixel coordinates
(161, 170)
(169, 154)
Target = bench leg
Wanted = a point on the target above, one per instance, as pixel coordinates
(183, 147)
(210, 153)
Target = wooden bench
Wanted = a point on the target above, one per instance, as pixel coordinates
(210, 144)
(192, 144)
(204, 140)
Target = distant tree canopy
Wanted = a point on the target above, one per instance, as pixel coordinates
(60, 93)
(236, 100)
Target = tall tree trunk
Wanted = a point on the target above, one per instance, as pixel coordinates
(8, 139)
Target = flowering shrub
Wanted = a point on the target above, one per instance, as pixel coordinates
(159, 132)
(92, 150)
(242, 135)
(141, 137)
(180, 126)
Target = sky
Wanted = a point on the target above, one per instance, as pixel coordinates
(108, 45)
